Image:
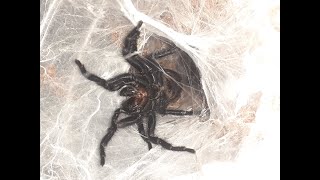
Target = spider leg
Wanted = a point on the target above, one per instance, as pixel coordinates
(151, 124)
(163, 53)
(143, 134)
(163, 143)
(121, 80)
(130, 46)
(178, 112)
(88, 75)
(143, 65)
(169, 146)
(111, 130)
(173, 84)
(128, 121)
(130, 42)
(112, 84)
(148, 68)
(162, 103)
(149, 64)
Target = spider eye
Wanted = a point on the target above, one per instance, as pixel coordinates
(128, 91)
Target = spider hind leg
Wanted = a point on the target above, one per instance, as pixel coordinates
(169, 146)
(143, 134)
(108, 136)
(177, 112)
(163, 53)
(161, 142)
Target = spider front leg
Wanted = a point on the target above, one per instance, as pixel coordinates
(161, 142)
(112, 84)
(130, 42)
(88, 75)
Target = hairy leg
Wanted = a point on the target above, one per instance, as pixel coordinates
(151, 124)
(157, 140)
(112, 84)
(169, 146)
(173, 82)
(177, 112)
(130, 42)
(128, 121)
(163, 53)
(111, 130)
(143, 134)
(142, 65)
(146, 67)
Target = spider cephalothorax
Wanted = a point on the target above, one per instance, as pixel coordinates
(149, 90)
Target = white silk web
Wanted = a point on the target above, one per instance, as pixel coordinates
(235, 45)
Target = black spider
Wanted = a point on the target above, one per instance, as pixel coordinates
(145, 92)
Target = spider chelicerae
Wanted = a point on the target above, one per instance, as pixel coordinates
(145, 92)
